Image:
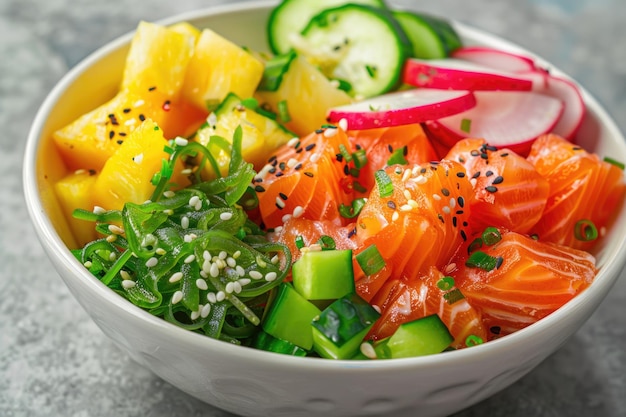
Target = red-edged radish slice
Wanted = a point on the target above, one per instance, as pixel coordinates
(495, 58)
(574, 112)
(403, 107)
(455, 74)
(510, 119)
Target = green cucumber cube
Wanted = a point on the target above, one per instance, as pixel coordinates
(339, 330)
(289, 317)
(265, 341)
(424, 336)
(324, 275)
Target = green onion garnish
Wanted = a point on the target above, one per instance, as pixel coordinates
(491, 236)
(360, 158)
(445, 283)
(327, 242)
(480, 259)
(612, 161)
(370, 260)
(453, 296)
(250, 103)
(385, 186)
(299, 242)
(283, 111)
(585, 230)
(397, 157)
(350, 212)
(473, 340)
(345, 153)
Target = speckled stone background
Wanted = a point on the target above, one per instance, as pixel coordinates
(53, 359)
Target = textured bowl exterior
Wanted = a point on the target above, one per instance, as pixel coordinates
(255, 383)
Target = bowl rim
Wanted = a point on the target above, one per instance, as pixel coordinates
(54, 246)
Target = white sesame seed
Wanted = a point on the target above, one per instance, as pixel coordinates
(406, 207)
(184, 222)
(138, 159)
(176, 297)
(98, 210)
(152, 262)
(176, 276)
(190, 259)
(407, 194)
(412, 203)
(406, 175)
(198, 206)
(160, 251)
(214, 271)
(206, 265)
(473, 181)
(226, 216)
(244, 281)
(221, 264)
(187, 238)
(280, 203)
(298, 211)
(375, 307)
(80, 171)
(446, 209)
(330, 132)
(415, 171)
(130, 122)
(194, 200)
(128, 284)
(315, 157)
(270, 276)
(449, 268)
(237, 287)
(343, 124)
(278, 229)
(452, 202)
(169, 212)
(195, 315)
(206, 255)
(368, 350)
(212, 119)
(87, 264)
(139, 103)
(115, 229)
(436, 197)
(205, 310)
(420, 179)
(263, 172)
(223, 254)
(181, 141)
(111, 238)
(237, 254)
(186, 171)
(395, 216)
(169, 194)
(286, 218)
(203, 274)
(292, 162)
(201, 284)
(274, 259)
(125, 275)
(229, 287)
(220, 296)
(230, 261)
(240, 271)
(211, 298)
(293, 142)
(255, 274)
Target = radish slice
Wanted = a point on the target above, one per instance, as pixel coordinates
(495, 58)
(456, 74)
(510, 119)
(403, 107)
(574, 112)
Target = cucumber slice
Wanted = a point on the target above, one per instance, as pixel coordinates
(324, 275)
(291, 16)
(431, 37)
(420, 337)
(265, 341)
(362, 45)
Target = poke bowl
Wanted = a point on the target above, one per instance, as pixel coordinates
(253, 382)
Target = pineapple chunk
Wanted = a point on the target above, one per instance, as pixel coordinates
(157, 59)
(127, 174)
(261, 135)
(75, 191)
(187, 29)
(308, 95)
(219, 67)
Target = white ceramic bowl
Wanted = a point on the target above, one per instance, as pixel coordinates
(256, 383)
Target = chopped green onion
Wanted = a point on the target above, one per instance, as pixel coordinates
(345, 153)
(585, 230)
(299, 242)
(283, 111)
(343, 85)
(491, 236)
(327, 242)
(385, 186)
(453, 296)
(358, 187)
(360, 158)
(370, 260)
(398, 157)
(612, 161)
(466, 125)
(473, 340)
(480, 259)
(476, 244)
(250, 103)
(350, 212)
(445, 283)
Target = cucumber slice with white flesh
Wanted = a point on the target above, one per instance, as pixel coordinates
(291, 16)
(431, 37)
(360, 44)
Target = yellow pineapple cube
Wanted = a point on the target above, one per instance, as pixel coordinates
(127, 174)
(219, 67)
(74, 191)
(307, 94)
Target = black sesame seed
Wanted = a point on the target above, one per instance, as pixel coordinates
(259, 189)
(352, 233)
(297, 145)
(357, 147)
(151, 88)
(390, 148)
(121, 133)
(309, 174)
(111, 134)
(465, 224)
(459, 212)
(454, 221)
(461, 201)
(283, 196)
(346, 170)
(282, 166)
(119, 141)
(280, 174)
(318, 131)
(484, 155)
(460, 174)
(445, 192)
(504, 154)
(489, 173)
(474, 152)
(491, 148)
(495, 329)
(309, 147)
(463, 235)
(272, 170)
(298, 167)
(299, 150)
(440, 217)
(92, 172)
(339, 157)
(491, 189)
(127, 110)
(391, 205)
(142, 117)
(498, 180)
(405, 150)
(423, 171)
(271, 159)
(499, 261)
(476, 174)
